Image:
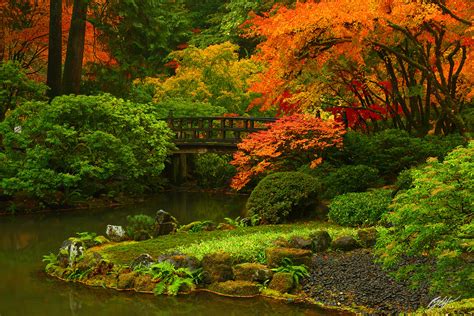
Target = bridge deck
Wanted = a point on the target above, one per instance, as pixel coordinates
(201, 134)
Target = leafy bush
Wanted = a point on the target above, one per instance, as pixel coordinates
(83, 146)
(213, 170)
(392, 151)
(433, 220)
(362, 208)
(404, 180)
(350, 179)
(282, 194)
(16, 88)
(140, 227)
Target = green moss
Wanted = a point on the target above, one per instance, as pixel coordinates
(463, 307)
(243, 244)
(236, 288)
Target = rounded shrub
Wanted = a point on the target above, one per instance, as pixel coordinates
(281, 195)
(361, 208)
(351, 179)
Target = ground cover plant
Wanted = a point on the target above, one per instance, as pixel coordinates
(244, 244)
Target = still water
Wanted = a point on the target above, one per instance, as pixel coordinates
(26, 290)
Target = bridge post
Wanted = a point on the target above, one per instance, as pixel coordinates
(180, 168)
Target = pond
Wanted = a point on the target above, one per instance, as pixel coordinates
(26, 290)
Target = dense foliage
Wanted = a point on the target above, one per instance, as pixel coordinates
(282, 195)
(213, 170)
(79, 146)
(349, 178)
(16, 88)
(288, 143)
(392, 151)
(361, 208)
(433, 219)
(212, 75)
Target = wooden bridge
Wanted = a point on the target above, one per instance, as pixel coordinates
(195, 135)
(218, 134)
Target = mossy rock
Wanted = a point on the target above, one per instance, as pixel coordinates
(180, 261)
(300, 242)
(252, 272)
(144, 283)
(198, 226)
(236, 288)
(281, 243)
(225, 226)
(367, 237)
(345, 243)
(126, 280)
(275, 256)
(282, 282)
(217, 267)
(320, 241)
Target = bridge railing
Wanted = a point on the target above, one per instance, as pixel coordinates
(219, 130)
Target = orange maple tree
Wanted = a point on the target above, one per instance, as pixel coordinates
(409, 63)
(290, 141)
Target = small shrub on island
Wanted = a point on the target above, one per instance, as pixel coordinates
(282, 195)
(140, 227)
(361, 208)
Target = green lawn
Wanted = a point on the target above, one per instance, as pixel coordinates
(244, 244)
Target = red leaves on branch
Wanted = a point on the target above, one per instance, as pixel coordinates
(290, 141)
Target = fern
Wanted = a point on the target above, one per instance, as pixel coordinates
(51, 260)
(297, 271)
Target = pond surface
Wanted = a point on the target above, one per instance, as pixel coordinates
(26, 290)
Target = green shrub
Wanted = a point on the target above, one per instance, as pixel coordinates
(16, 88)
(433, 220)
(298, 272)
(213, 170)
(350, 179)
(140, 227)
(83, 146)
(362, 208)
(404, 180)
(282, 194)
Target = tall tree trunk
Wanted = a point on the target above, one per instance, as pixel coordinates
(55, 48)
(75, 48)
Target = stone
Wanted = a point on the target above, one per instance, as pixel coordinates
(165, 223)
(144, 260)
(69, 251)
(345, 243)
(225, 226)
(217, 267)
(282, 282)
(180, 261)
(126, 280)
(252, 272)
(236, 288)
(281, 242)
(301, 243)
(116, 233)
(321, 241)
(144, 283)
(275, 256)
(367, 237)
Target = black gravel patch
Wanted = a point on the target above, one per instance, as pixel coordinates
(345, 279)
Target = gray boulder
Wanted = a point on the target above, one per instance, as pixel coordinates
(116, 233)
(165, 223)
